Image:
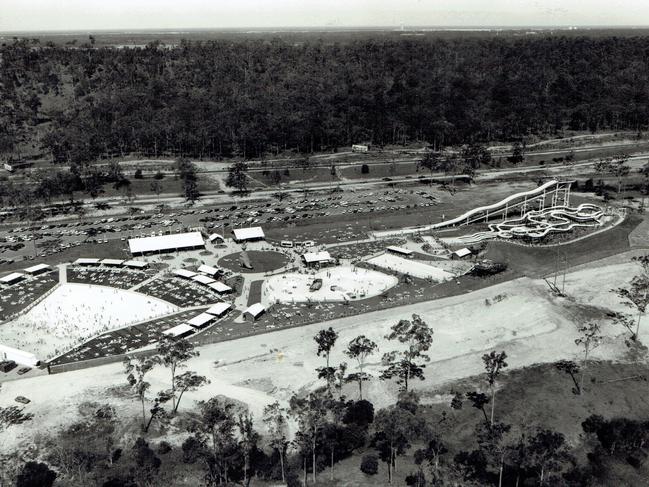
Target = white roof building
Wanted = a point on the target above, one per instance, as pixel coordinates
(201, 320)
(136, 264)
(202, 279)
(12, 278)
(255, 310)
(209, 270)
(461, 253)
(38, 268)
(116, 262)
(219, 287)
(219, 309)
(179, 330)
(317, 257)
(87, 261)
(161, 243)
(184, 273)
(252, 233)
(216, 236)
(400, 250)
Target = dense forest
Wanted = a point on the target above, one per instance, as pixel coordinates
(253, 97)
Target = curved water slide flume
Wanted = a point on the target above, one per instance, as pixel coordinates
(553, 219)
(502, 204)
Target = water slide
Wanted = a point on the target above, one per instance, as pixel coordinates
(538, 223)
(475, 211)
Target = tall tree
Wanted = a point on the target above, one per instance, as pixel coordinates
(277, 428)
(359, 349)
(493, 363)
(407, 364)
(238, 177)
(395, 429)
(310, 415)
(174, 353)
(636, 294)
(589, 339)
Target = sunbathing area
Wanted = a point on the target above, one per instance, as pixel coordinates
(117, 342)
(73, 313)
(15, 298)
(180, 292)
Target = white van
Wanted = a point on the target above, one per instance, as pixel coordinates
(286, 244)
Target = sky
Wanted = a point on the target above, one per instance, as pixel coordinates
(89, 15)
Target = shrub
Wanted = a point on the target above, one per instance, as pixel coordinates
(370, 464)
(359, 412)
(34, 474)
(293, 479)
(138, 174)
(365, 169)
(164, 447)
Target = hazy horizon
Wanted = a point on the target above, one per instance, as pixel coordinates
(144, 15)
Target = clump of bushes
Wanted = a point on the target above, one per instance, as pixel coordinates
(370, 464)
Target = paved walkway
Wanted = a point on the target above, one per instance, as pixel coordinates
(63, 273)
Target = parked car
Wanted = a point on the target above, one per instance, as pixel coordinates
(22, 400)
(7, 366)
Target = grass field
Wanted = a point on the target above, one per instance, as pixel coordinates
(260, 260)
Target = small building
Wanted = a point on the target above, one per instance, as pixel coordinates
(38, 269)
(201, 320)
(360, 148)
(317, 258)
(255, 311)
(112, 262)
(86, 261)
(166, 243)
(248, 234)
(184, 273)
(179, 331)
(219, 309)
(208, 270)
(216, 238)
(220, 288)
(136, 264)
(202, 279)
(400, 251)
(461, 254)
(12, 278)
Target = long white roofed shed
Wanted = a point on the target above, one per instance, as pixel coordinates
(179, 330)
(87, 261)
(219, 287)
(37, 269)
(184, 273)
(12, 278)
(165, 243)
(203, 279)
(136, 264)
(201, 320)
(219, 309)
(252, 233)
(400, 251)
(113, 262)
